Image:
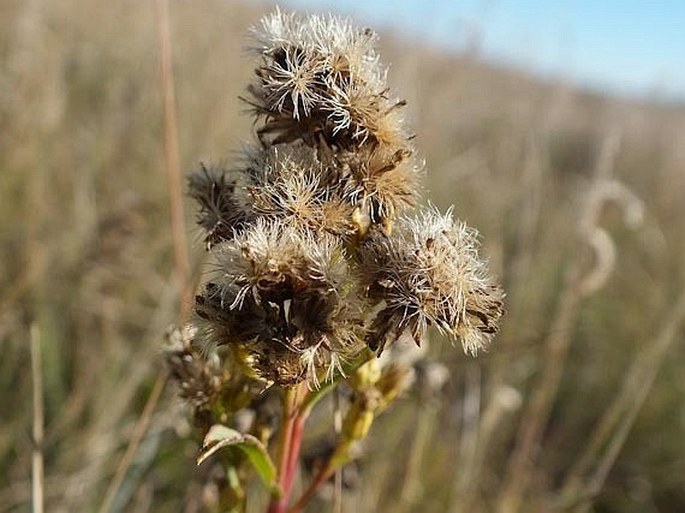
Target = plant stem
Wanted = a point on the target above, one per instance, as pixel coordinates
(298, 403)
(295, 445)
(279, 501)
(324, 474)
(329, 469)
(172, 159)
(37, 463)
(294, 417)
(137, 436)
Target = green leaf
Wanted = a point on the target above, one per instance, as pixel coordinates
(220, 436)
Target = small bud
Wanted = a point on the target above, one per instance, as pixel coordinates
(366, 375)
(396, 379)
(360, 415)
(201, 378)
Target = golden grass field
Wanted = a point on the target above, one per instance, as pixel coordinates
(580, 199)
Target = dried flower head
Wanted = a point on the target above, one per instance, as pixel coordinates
(429, 273)
(223, 204)
(308, 267)
(320, 73)
(285, 297)
(319, 82)
(201, 379)
(291, 182)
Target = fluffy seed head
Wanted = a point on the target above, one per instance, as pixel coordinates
(323, 190)
(288, 298)
(429, 273)
(223, 207)
(319, 82)
(291, 182)
(313, 64)
(320, 77)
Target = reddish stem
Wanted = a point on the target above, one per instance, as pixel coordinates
(289, 428)
(279, 502)
(324, 474)
(296, 444)
(293, 429)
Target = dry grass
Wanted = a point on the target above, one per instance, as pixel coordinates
(88, 259)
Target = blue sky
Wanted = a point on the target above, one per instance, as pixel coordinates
(631, 47)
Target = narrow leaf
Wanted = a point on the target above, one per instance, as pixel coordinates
(220, 436)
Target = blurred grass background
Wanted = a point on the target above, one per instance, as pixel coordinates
(88, 263)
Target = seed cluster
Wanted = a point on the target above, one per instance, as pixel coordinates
(316, 253)
(429, 273)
